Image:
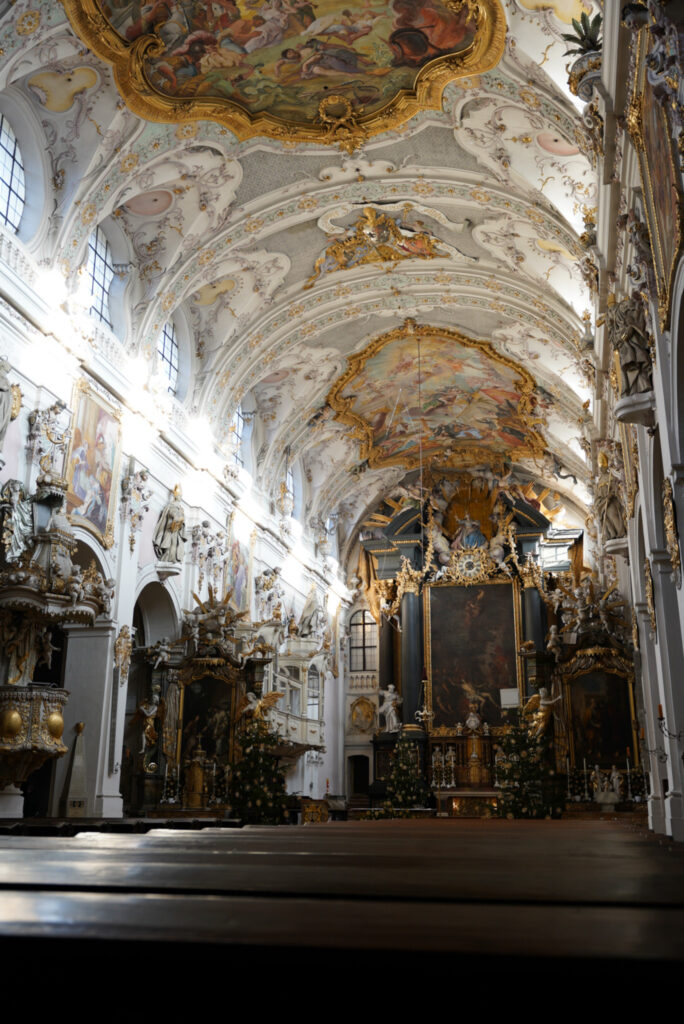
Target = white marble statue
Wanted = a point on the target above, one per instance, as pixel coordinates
(389, 708)
(169, 537)
(17, 519)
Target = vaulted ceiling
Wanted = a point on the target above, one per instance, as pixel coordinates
(459, 227)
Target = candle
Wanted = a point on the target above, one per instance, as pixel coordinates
(643, 734)
(660, 712)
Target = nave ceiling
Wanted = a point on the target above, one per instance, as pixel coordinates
(284, 261)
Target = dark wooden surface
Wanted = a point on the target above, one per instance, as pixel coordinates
(491, 891)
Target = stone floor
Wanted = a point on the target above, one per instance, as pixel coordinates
(597, 895)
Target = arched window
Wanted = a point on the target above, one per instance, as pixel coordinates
(167, 350)
(12, 186)
(238, 433)
(363, 643)
(313, 693)
(100, 271)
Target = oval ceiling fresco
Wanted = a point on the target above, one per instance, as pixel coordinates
(317, 70)
(431, 387)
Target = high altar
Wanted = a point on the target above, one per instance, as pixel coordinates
(487, 638)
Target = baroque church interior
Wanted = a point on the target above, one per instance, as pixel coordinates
(340, 410)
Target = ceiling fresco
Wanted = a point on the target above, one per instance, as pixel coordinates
(310, 68)
(282, 257)
(418, 392)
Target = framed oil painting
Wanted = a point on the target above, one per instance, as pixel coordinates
(239, 572)
(472, 639)
(601, 710)
(92, 468)
(650, 130)
(207, 716)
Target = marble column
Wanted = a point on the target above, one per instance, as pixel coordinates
(386, 652)
(534, 617)
(411, 657)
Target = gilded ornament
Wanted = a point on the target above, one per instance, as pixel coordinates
(28, 23)
(123, 648)
(11, 722)
(408, 579)
(376, 238)
(377, 78)
(445, 441)
(55, 724)
(650, 599)
(671, 534)
(16, 401)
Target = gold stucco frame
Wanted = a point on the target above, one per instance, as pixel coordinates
(128, 63)
(463, 455)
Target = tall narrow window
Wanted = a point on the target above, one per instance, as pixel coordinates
(12, 186)
(100, 271)
(363, 644)
(290, 484)
(238, 429)
(313, 693)
(167, 350)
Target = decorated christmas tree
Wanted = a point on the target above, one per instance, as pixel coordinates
(522, 773)
(257, 783)
(406, 786)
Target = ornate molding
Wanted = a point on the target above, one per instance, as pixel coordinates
(452, 454)
(650, 599)
(142, 84)
(671, 533)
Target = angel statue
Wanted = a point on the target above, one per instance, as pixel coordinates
(538, 712)
(258, 708)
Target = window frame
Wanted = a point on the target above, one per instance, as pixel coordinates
(368, 626)
(15, 183)
(100, 255)
(168, 363)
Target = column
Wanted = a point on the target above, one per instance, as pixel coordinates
(534, 617)
(411, 657)
(668, 653)
(655, 763)
(386, 655)
(88, 676)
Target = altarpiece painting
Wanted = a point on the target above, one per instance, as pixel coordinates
(471, 647)
(601, 712)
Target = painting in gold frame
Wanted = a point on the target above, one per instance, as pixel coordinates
(472, 639)
(477, 405)
(308, 72)
(599, 697)
(92, 467)
(650, 130)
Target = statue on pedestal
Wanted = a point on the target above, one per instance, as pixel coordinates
(389, 708)
(169, 537)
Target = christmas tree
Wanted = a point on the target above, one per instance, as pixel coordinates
(522, 773)
(257, 784)
(406, 786)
